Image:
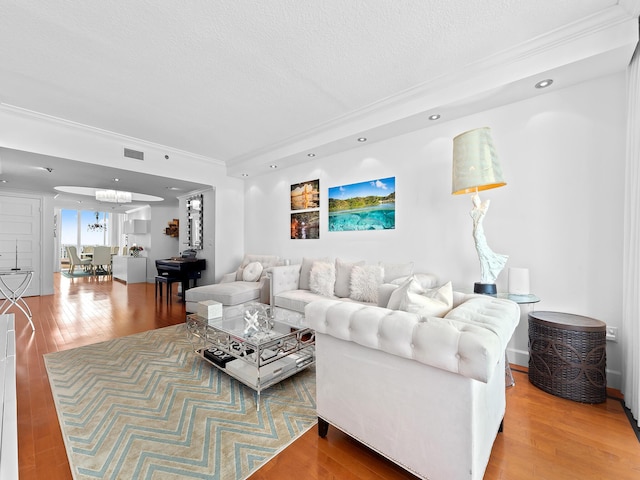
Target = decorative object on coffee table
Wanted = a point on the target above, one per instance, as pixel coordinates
(568, 356)
(476, 168)
(256, 319)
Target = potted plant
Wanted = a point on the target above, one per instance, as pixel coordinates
(135, 250)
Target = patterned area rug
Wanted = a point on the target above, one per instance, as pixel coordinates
(145, 406)
(76, 273)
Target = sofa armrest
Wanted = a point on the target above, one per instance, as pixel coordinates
(284, 278)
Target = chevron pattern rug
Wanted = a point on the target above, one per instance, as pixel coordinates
(146, 407)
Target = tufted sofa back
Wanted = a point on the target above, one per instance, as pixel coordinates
(469, 341)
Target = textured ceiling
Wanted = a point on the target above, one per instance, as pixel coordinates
(235, 79)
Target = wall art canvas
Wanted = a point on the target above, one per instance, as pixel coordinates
(363, 206)
(305, 225)
(305, 195)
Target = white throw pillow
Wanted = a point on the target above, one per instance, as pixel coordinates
(305, 271)
(412, 297)
(342, 287)
(365, 280)
(252, 272)
(322, 278)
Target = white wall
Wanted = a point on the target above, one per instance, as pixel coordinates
(560, 214)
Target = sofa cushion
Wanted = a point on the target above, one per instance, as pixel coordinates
(252, 272)
(411, 297)
(342, 287)
(322, 278)
(396, 270)
(365, 281)
(426, 280)
(297, 300)
(231, 293)
(305, 271)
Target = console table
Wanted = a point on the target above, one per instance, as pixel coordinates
(13, 295)
(258, 360)
(129, 269)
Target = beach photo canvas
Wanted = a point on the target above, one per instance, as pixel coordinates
(305, 195)
(367, 205)
(305, 225)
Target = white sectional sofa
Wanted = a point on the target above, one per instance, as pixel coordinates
(428, 393)
(292, 286)
(409, 368)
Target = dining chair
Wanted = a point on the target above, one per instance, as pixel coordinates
(101, 260)
(74, 260)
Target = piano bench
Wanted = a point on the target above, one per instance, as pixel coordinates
(168, 281)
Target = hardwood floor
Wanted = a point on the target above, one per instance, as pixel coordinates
(545, 437)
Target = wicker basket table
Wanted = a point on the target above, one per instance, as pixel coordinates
(567, 356)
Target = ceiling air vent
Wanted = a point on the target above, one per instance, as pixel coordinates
(133, 154)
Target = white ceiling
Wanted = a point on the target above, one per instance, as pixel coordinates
(255, 82)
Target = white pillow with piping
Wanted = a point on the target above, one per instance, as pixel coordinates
(252, 272)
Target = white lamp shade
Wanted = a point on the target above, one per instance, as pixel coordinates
(475, 162)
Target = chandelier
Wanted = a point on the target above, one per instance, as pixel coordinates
(97, 227)
(113, 196)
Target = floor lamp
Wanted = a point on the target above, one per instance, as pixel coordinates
(476, 168)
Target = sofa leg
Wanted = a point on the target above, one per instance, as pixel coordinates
(323, 427)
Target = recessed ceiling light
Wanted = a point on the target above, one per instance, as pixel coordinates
(544, 83)
(245, 174)
(3, 181)
(115, 179)
(362, 139)
(311, 154)
(434, 117)
(273, 166)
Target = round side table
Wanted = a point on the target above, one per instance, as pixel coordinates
(568, 355)
(520, 299)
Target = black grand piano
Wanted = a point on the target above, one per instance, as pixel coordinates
(184, 269)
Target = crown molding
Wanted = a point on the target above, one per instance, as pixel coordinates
(609, 30)
(125, 140)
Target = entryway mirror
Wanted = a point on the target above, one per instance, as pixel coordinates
(194, 221)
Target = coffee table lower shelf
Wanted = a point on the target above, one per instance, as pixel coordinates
(263, 377)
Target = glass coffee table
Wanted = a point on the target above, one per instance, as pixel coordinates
(256, 358)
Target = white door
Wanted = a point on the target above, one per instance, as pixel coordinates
(20, 238)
